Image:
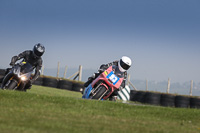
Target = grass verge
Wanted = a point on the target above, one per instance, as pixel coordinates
(50, 110)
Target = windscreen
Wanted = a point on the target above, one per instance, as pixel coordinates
(26, 68)
(117, 72)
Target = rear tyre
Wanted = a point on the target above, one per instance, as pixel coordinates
(100, 91)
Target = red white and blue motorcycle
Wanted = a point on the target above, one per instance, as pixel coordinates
(105, 84)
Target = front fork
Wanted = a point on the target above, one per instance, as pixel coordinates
(8, 82)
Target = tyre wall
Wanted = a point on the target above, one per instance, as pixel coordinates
(76, 86)
(59, 83)
(166, 100)
(2, 74)
(65, 84)
(152, 98)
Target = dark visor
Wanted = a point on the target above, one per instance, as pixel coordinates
(37, 53)
(124, 65)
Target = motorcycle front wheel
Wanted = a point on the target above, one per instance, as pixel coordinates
(12, 85)
(99, 93)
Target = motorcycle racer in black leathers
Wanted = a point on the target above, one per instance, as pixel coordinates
(34, 58)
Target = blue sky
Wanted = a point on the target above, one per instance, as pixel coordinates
(161, 36)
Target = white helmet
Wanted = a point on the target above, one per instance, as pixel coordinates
(124, 63)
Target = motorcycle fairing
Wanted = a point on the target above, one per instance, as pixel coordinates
(112, 77)
(87, 91)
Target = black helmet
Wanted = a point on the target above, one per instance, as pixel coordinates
(38, 50)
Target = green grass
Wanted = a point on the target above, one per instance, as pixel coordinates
(49, 110)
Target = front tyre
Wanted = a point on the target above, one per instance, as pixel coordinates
(99, 93)
(12, 85)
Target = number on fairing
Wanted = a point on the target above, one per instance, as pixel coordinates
(113, 78)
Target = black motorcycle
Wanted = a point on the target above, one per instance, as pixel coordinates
(18, 77)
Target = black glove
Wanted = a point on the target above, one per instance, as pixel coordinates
(101, 70)
(12, 64)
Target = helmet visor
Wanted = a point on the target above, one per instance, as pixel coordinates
(124, 65)
(38, 53)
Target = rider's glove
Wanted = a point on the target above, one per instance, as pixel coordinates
(100, 70)
(12, 64)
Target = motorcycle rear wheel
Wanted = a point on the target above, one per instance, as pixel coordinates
(100, 91)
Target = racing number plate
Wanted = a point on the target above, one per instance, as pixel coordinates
(113, 78)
